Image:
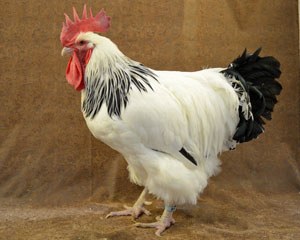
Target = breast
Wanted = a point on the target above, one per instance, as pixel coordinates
(113, 131)
(101, 125)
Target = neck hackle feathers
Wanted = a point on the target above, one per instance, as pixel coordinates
(70, 30)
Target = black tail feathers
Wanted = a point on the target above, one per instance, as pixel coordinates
(254, 78)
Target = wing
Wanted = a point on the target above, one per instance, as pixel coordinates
(183, 116)
(157, 119)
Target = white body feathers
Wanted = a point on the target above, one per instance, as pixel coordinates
(194, 110)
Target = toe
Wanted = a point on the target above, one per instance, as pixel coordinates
(161, 227)
(159, 231)
(135, 212)
(120, 213)
(144, 210)
(146, 225)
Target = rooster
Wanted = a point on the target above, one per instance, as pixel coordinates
(169, 126)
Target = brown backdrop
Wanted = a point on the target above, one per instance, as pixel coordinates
(49, 159)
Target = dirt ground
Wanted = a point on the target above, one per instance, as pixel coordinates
(233, 217)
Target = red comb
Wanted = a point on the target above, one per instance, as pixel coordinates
(70, 29)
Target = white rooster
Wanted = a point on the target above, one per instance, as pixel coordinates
(169, 126)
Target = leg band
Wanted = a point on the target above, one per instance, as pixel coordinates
(170, 208)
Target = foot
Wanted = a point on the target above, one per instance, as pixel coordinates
(163, 223)
(135, 211)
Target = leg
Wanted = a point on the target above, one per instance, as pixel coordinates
(163, 222)
(136, 210)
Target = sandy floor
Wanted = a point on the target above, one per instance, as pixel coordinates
(234, 217)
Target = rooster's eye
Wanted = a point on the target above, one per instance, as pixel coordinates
(81, 42)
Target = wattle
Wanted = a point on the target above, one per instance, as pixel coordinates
(75, 70)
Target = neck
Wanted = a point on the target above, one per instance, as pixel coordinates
(109, 78)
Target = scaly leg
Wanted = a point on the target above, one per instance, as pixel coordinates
(163, 222)
(136, 210)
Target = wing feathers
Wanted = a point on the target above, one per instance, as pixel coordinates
(188, 156)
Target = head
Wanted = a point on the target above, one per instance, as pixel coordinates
(79, 39)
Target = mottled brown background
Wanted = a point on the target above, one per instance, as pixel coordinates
(57, 181)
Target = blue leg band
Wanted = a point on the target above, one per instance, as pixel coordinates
(170, 208)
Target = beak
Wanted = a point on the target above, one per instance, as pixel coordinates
(67, 51)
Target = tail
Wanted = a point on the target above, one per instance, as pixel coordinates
(254, 80)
